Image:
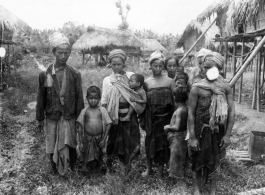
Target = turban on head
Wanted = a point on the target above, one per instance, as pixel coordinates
(117, 53)
(57, 39)
(157, 55)
(203, 52)
(216, 57)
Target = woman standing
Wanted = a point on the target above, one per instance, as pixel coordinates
(159, 109)
(124, 136)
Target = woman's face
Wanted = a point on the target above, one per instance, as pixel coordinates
(208, 64)
(117, 65)
(171, 66)
(157, 66)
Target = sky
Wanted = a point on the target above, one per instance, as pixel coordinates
(161, 16)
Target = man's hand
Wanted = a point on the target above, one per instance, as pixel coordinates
(194, 144)
(102, 143)
(225, 142)
(40, 126)
(132, 99)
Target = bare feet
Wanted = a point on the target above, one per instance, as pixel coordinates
(146, 173)
(126, 118)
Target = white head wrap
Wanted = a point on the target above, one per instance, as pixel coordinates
(57, 39)
(203, 52)
(216, 57)
(157, 55)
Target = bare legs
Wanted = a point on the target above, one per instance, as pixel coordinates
(197, 183)
(149, 169)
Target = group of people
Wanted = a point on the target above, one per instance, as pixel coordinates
(180, 116)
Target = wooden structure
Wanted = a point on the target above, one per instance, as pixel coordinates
(102, 40)
(241, 22)
(193, 32)
(151, 45)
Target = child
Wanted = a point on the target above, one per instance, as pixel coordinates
(93, 127)
(176, 132)
(136, 82)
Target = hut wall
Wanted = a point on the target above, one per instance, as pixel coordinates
(7, 34)
(259, 23)
(190, 40)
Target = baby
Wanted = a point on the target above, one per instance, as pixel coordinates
(136, 82)
(93, 127)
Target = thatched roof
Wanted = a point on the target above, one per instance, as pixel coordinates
(195, 26)
(97, 37)
(152, 45)
(237, 11)
(10, 21)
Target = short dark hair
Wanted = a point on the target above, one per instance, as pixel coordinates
(182, 76)
(139, 78)
(93, 89)
(170, 58)
(181, 94)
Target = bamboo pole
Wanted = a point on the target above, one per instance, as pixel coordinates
(226, 59)
(234, 67)
(263, 75)
(258, 81)
(186, 54)
(247, 62)
(241, 78)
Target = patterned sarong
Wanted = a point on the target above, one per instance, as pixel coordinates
(209, 157)
(159, 110)
(124, 138)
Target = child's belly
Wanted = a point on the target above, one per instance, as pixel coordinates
(93, 127)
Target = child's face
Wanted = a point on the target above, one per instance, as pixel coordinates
(181, 83)
(180, 69)
(93, 100)
(133, 82)
(171, 66)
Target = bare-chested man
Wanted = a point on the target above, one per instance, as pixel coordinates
(93, 129)
(159, 109)
(195, 73)
(210, 126)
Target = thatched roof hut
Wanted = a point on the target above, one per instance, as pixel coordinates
(193, 31)
(151, 45)
(10, 21)
(233, 13)
(102, 40)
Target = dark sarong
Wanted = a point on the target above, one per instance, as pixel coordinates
(124, 138)
(158, 113)
(209, 157)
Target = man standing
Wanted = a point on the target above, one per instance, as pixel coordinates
(60, 101)
(210, 122)
(195, 73)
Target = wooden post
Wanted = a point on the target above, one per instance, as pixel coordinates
(247, 62)
(83, 52)
(263, 75)
(254, 84)
(258, 81)
(241, 78)
(234, 67)
(226, 59)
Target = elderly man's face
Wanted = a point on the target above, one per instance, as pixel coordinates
(62, 53)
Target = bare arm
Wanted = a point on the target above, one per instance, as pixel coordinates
(192, 75)
(172, 86)
(193, 99)
(176, 127)
(107, 131)
(80, 135)
(143, 98)
(225, 142)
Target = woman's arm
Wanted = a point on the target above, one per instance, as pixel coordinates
(104, 97)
